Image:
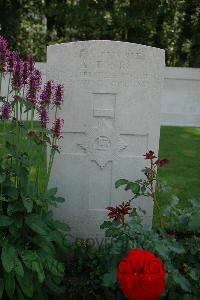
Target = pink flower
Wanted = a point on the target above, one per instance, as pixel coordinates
(34, 84)
(12, 58)
(57, 128)
(17, 78)
(6, 111)
(58, 96)
(47, 93)
(3, 53)
(25, 72)
(43, 114)
(31, 62)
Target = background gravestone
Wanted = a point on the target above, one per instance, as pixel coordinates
(112, 117)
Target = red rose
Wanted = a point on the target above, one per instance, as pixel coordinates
(141, 275)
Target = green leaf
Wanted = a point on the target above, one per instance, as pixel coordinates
(35, 223)
(194, 223)
(3, 199)
(143, 189)
(18, 267)
(174, 201)
(26, 284)
(14, 207)
(134, 187)
(106, 224)
(8, 256)
(55, 289)
(23, 175)
(56, 236)
(11, 148)
(110, 278)
(195, 203)
(60, 225)
(44, 244)
(20, 295)
(33, 262)
(195, 274)
(182, 281)
(165, 211)
(120, 182)
(1, 287)
(12, 192)
(177, 248)
(5, 221)
(28, 204)
(2, 177)
(59, 199)
(9, 284)
(51, 192)
(162, 250)
(55, 267)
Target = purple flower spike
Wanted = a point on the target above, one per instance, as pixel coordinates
(25, 72)
(12, 58)
(43, 113)
(47, 93)
(58, 96)
(38, 77)
(34, 84)
(31, 62)
(6, 111)
(3, 52)
(17, 79)
(57, 128)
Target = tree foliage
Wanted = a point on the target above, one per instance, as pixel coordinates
(168, 24)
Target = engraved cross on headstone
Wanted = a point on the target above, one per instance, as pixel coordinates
(102, 145)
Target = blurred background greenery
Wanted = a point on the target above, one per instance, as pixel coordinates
(30, 25)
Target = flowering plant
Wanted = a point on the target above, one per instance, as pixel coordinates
(141, 187)
(25, 99)
(31, 240)
(176, 242)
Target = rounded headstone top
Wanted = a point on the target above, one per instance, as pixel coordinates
(84, 53)
(109, 43)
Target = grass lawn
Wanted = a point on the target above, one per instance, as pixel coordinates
(181, 145)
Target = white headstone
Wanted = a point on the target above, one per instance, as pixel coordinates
(112, 117)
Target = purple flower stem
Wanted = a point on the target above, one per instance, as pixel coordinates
(1, 76)
(52, 153)
(32, 117)
(8, 86)
(17, 135)
(50, 167)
